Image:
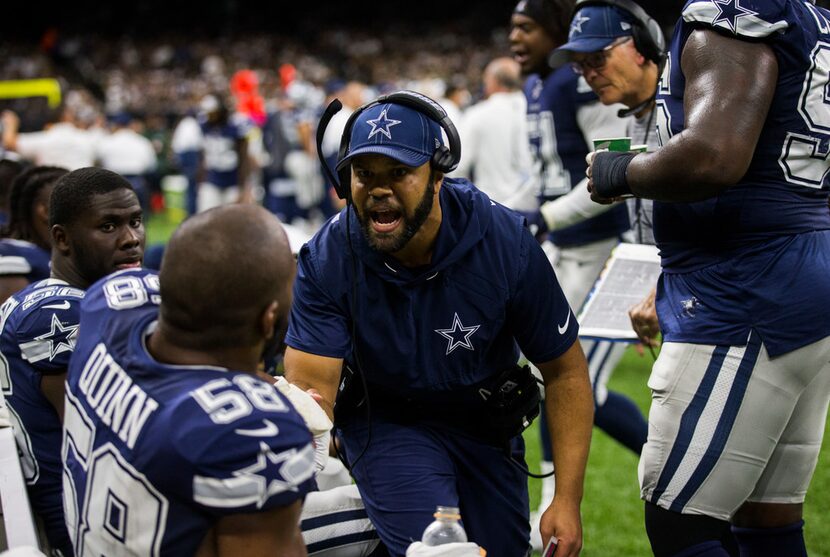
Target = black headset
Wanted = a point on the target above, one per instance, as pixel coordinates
(443, 159)
(648, 36)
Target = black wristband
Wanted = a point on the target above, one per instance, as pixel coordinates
(608, 173)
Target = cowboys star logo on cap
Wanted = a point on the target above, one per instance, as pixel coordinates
(576, 24)
(381, 124)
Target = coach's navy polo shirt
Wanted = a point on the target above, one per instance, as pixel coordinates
(427, 333)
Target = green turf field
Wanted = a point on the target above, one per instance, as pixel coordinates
(611, 511)
(612, 514)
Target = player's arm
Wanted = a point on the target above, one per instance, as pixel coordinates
(53, 389)
(730, 84)
(245, 193)
(272, 533)
(310, 371)
(570, 408)
(596, 121)
(11, 124)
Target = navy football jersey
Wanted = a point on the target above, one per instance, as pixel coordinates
(155, 454)
(784, 190)
(18, 257)
(220, 154)
(756, 255)
(559, 147)
(427, 333)
(39, 326)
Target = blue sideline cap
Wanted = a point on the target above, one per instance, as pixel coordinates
(394, 130)
(592, 29)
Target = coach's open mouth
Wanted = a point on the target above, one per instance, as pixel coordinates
(385, 220)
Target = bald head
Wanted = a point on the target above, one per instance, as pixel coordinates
(222, 269)
(502, 75)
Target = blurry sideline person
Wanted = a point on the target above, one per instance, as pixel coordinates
(186, 145)
(130, 154)
(629, 76)
(26, 244)
(424, 291)
(741, 387)
(496, 153)
(9, 169)
(63, 143)
(225, 161)
(564, 117)
(96, 229)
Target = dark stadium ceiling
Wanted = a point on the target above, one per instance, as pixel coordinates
(149, 17)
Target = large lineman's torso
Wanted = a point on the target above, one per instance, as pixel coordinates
(728, 259)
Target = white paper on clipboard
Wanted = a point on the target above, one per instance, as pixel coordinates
(627, 278)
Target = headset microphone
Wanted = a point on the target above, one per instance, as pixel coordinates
(332, 109)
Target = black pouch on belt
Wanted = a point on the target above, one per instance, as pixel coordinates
(511, 403)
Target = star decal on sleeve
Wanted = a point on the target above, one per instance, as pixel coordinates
(458, 336)
(729, 12)
(60, 338)
(256, 483)
(381, 125)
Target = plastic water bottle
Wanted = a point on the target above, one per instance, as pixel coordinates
(445, 529)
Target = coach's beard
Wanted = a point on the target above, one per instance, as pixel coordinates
(395, 241)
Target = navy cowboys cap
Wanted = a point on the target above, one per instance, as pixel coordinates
(394, 130)
(592, 29)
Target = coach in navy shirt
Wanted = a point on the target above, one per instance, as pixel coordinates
(428, 290)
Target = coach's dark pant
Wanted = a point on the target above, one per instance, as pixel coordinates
(408, 470)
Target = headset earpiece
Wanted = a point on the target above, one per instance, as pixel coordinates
(444, 159)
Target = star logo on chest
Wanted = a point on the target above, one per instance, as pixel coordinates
(381, 124)
(458, 336)
(729, 12)
(60, 338)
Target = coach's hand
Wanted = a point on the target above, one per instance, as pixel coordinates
(644, 320)
(562, 519)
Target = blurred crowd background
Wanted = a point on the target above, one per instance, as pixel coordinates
(144, 67)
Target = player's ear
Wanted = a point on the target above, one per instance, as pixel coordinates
(268, 320)
(439, 179)
(60, 239)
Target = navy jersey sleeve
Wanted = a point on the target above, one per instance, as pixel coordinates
(747, 19)
(317, 325)
(47, 333)
(539, 315)
(260, 461)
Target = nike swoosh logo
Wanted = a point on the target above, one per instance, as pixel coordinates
(269, 430)
(62, 305)
(563, 328)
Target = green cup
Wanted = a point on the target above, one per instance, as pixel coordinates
(639, 148)
(613, 144)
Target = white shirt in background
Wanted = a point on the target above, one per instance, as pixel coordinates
(495, 150)
(61, 145)
(127, 152)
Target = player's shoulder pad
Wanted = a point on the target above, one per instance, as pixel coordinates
(47, 293)
(49, 312)
(123, 290)
(752, 19)
(250, 450)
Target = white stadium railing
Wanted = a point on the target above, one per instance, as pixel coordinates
(18, 520)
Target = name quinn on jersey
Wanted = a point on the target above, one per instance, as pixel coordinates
(121, 404)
